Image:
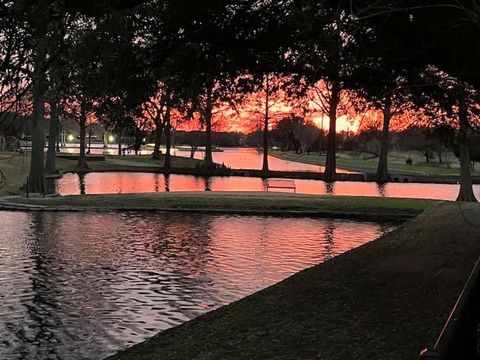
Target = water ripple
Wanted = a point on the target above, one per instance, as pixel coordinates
(82, 286)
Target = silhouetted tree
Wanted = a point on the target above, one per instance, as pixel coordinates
(450, 101)
(324, 54)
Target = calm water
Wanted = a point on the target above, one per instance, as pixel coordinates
(81, 286)
(107, 183)
(234, 158)
(249, 158)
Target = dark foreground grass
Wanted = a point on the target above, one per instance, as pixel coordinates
(385, 300)
(236, 201)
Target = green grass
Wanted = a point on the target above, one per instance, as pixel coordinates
(364, 162)
(176, 161)
(243, 201)
(15, 168)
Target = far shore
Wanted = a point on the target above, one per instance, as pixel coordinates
(15, 168)
(364, 163)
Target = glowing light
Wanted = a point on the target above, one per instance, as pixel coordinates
(70, 137)
(111, 138)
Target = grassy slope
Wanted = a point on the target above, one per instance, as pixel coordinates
(260, 201)
(177, 161)
(15, 168)
(385, 300)
(363, 162)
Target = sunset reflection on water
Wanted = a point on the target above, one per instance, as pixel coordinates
(83, 285)
(234, 158)
(124, 182)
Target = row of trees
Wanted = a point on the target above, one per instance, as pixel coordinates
(160, 59)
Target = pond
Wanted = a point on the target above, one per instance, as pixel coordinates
(84, 285)
(250, 158)
(234, 158)
(126, 182)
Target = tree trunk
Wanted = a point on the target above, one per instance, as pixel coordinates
(382, 169)
(331, 162)
(466, 187)
(89, 140)
(59, 136)
(158, 139)
(208, 130)
(265, 126)
(50, 165)
(168, 141)
(119, 146)
(36, 178)
(82, 162)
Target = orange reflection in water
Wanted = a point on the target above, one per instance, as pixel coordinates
(234, 158)
(249, 158)
(88, 284)
(111, 183)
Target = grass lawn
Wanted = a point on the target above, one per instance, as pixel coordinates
(177, 161)
(240, 201)
(364, 162)
(387, 299)
(15, 170)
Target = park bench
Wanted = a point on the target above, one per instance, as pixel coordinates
(282, 184)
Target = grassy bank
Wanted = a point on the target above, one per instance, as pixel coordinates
(385, 300)
(237, 202)
(367, 163)
(177, 161)
(15, 170)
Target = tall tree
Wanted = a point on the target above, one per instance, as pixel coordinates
(267, 34)
(382, 87)
(58, 82)
(266, 102)
(40, 15)
(324, 56)
(39, 21)
(159, 109)
(188, 48)
(450, 101)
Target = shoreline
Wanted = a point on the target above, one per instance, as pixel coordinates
(295, 175)
(410, 176)
(231, 203)
(16, 171)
